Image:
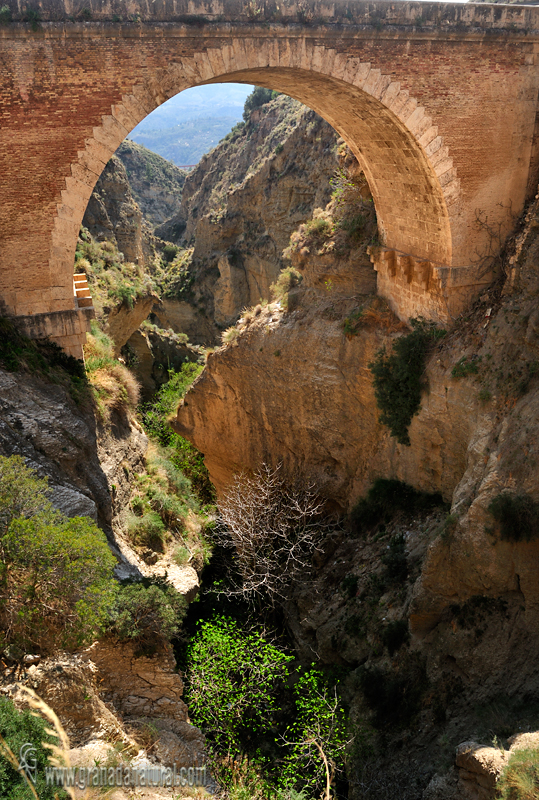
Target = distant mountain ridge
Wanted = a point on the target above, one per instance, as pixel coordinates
(185, 144)
(190, 124)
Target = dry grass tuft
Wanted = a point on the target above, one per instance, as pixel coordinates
(230, 335)
(115, 387)
(379, 315)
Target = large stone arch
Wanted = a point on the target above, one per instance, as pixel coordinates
(410, 171)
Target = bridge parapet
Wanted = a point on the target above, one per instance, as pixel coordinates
(415, 287)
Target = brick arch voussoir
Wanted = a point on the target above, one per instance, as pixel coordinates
(304, 55)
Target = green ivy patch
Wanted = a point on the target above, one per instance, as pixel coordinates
(517, 515)
(399, 376)
(385, 499)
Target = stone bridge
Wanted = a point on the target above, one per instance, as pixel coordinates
(438, 102)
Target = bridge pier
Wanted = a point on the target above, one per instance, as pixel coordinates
(415, 287)
(67, 328)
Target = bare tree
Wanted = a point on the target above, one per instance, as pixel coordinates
(273, 528)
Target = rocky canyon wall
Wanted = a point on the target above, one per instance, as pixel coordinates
(240, 206)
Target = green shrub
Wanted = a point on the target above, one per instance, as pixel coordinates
(520, 778)
(385, 499)
(33, 16)
(321, 719)
(173, 277)
(5, 15)
(466, 367)
(287, 280)
(485, 396)
(19, 728)
(232, 682)
(517, 516)
(191, 462)
(395, 559)
(156, 414)
(124, 293)
(243, 695)
(181, 556)
(318, 228)
(22, 493)
(398, 377)
(170, 251)
(448, 526)
(56, 584)
(258, 97)
(353, 225)
(147, 530)
(351, 323)
(395, 634)
(148, 615)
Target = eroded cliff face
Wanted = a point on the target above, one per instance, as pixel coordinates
(294, 387)
(113, 214)
(156, 183)
(119, 708)
(61, 438)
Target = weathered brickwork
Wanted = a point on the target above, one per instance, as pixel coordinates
(438, 102)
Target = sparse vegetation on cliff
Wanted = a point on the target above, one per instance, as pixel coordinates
(155, 182)
(110, 277)
(173, 277)
(287, 280)
(156, 417)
